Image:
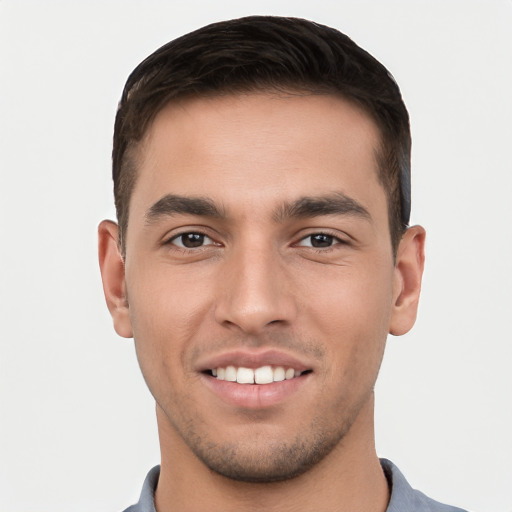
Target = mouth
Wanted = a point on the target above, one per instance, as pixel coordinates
(255, 379)
(262, 375)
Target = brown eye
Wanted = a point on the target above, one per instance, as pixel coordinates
(191, 240)
(319, 241)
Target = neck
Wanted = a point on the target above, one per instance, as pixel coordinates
(350, 478)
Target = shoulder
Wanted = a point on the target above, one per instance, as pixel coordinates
(147, 496)
(403, 497)
(406, 499)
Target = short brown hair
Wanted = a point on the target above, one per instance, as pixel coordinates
(259, 53)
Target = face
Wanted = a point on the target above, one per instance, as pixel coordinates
(259, 281)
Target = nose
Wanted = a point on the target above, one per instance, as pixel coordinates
(255, 291)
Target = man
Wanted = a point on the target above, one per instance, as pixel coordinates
(262, 185)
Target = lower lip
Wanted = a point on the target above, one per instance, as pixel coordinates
(255, 396)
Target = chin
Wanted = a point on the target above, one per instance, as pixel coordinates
(264, 461)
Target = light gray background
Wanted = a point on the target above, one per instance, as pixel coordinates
(77, 427)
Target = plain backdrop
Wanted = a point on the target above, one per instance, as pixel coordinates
(77, 426)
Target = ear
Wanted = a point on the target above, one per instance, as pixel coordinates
(410, 260)
(113, 277)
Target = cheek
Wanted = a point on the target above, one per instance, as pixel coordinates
(352, 311)
(166, 312)
(166, 300)
(346, 296)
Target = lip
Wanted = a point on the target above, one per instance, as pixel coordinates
(254, 359)
(254, 396)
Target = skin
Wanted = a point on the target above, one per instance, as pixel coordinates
(255, 283)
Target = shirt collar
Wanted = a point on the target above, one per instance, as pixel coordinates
(403, 496)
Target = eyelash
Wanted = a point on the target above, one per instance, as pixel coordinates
(171, 241)
(336, 240)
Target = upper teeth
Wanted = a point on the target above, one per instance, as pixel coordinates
(262, 375)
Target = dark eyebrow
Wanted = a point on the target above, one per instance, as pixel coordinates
(171, 204)
(315, 206)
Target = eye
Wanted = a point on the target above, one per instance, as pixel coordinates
(319, 241)
(191, 240)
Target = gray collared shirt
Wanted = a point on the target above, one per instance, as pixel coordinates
(403, 497)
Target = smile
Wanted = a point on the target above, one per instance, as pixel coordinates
(262, 375)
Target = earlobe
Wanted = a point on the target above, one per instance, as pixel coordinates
(407, 285)
(113, 277)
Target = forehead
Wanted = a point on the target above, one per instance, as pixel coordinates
(259, 148)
